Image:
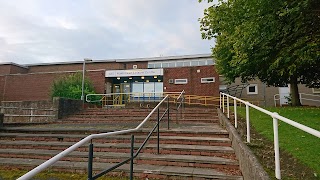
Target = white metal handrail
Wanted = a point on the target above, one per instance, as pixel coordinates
(276, 98)
(309, 99)
(67, 151)
(275, 118)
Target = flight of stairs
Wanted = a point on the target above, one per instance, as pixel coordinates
(195, 146)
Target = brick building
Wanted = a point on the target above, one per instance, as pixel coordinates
(195, 74)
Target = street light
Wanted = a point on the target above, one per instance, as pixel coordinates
(83, 72)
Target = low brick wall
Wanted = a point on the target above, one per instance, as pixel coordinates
(28, 111)
(66, 107)
(249, 164)
(38, 111)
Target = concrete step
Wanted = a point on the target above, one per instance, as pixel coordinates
(121, 120)
(143, 158)
(202, 130)
(118, 139)
(140, 170)
(220, 151)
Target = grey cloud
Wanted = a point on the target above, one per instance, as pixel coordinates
(64, 30)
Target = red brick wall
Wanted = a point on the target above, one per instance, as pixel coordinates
(141, 65)
(194, 85)
(5, 69)
(2, 82)
(18, 70)
(37, 86)
(75, 67)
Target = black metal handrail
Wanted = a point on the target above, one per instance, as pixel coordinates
(89, 138)
(132, 154)
(179, 105)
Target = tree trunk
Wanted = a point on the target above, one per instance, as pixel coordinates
(295, 98)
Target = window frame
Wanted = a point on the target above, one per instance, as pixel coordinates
(204, 80)
(185, 81)
(256, 89)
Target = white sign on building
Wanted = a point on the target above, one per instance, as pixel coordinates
(134, 72)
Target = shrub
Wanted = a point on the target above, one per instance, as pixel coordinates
(70, 86)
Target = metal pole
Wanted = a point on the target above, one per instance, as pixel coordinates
(276, 148)
(220, 100)
(228, 106)
(90, 161)
(168, 106)
(132, 157)
(223, 103)
(248, 122)
(31, 115)
(83, 71)
(158, 148)
(235, 113)
(300, 97)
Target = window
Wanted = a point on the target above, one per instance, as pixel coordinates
(157, 65)
(252, 89)
(186, 63)
(316, 90)
(179, 64)
(210, 62)
(208, 80)
(165, 64)
(172, 64)
(150, 65)
(202, 63)
(194, 63)
(180, 81)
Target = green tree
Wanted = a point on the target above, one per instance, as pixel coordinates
(276, 41)
(70, 86)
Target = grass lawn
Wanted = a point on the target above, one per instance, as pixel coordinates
(301, 145)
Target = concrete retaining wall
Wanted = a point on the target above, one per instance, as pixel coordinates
(38, 111)
(28, 111)
(66, 107)
(249, 164)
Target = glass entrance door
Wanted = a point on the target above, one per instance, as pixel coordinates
(117, 98)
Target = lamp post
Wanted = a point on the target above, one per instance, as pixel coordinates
(83, 72)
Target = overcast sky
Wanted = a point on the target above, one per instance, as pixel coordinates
(35, 31)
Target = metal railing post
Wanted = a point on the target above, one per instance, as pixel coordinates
(248, 122)
(235, 113)
(90, 161)
(223, 103)
(132, 157)
(158, 133)
(31, 115)
(276, 147)
(220, 100)
(168, 106)
(228, 106)
(176, 101)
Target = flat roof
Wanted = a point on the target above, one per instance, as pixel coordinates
(14, 64)
(161, 58)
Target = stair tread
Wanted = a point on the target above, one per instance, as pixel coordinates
(142, 168)
(114, 137)
(168, 157)
(86, 128)
(225, 149)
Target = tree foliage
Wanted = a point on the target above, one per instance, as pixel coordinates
(276, 41)
(70, 86)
